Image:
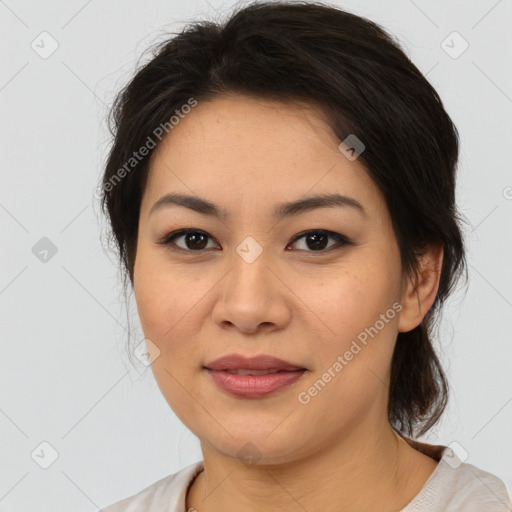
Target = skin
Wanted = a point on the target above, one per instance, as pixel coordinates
(306, 306)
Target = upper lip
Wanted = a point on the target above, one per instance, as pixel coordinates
(261, 362)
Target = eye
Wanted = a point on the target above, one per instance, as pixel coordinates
(195, 240)
(317, 239)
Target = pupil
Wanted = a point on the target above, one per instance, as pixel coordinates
(314, 238)
(193, 236)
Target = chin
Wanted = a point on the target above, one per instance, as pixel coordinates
(270, 446)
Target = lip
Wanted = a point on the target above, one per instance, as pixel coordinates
(260, 362)
(253, 386)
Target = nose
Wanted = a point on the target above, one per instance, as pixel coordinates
(253, 296)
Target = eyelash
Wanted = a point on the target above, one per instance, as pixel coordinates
(169, 240)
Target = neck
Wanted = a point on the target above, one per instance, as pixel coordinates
(362, 472)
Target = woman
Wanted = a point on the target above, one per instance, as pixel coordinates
(281, 190)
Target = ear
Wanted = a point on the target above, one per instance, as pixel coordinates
(421, 289)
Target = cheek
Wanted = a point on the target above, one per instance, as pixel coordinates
(165, 303)
(347, 304)
(357, 315)
(165, 297)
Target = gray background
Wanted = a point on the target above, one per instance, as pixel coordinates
(64, 374)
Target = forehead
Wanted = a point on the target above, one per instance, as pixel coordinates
(254, 148)
(222, 123)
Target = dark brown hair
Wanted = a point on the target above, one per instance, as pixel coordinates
(361, 79)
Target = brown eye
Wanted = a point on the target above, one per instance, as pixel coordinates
(317, 240)
(193, 239)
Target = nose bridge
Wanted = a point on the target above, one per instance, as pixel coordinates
(251, 295)
(250, 261)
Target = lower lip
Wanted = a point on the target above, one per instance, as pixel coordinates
(254, 386)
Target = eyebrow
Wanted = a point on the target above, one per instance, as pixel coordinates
(281, 211)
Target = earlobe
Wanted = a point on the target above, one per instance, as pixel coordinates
(421, 289)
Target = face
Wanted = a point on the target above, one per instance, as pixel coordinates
(317, 287)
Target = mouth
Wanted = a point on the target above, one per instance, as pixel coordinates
(253, 376)
(247, 383)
